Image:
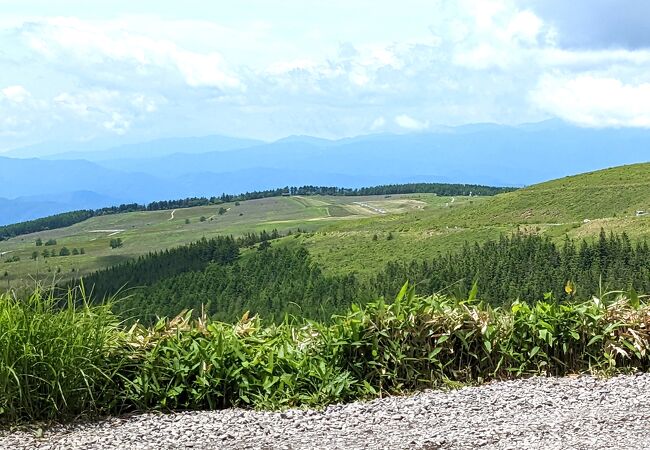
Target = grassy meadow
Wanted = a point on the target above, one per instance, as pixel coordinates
(64, 358)
(143, 232)
(341, 230)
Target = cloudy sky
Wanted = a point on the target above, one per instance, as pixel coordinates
(73, 70)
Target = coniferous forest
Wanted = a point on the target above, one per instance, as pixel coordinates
(273, 280)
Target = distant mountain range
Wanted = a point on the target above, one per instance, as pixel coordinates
(27, 208)
(179, 167)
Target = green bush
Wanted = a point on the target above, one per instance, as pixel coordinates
(197, 366)
(409, 344)
(61, 359)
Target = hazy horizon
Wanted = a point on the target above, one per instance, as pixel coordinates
(139, 71)
(107, 143)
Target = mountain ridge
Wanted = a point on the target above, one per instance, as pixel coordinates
(487, 154)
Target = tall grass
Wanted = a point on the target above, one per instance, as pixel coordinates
(62, 360)
(57, 357)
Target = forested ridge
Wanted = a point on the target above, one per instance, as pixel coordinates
(70, 218)
(386, 189)
(270, 282)
(155, 266)
(275, 280)
(46, 223)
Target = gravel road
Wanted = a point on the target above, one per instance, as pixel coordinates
(549, 413)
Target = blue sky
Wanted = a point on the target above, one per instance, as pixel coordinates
(138, 70)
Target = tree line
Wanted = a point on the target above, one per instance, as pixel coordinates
(527, 267)
(273, 281)
(70, 218)
(447, 189)
(155, 266)
(46, 223)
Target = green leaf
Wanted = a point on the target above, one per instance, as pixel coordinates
(474, 292)
(543, 334)
(634, 299)
(594, 340)
(402, 292)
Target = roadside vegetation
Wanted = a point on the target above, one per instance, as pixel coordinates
(62, 359)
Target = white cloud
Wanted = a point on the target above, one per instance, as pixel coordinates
(467, 61)
(117, 123)
(378, 123)
(112, 110)
(283, 67)
(595, 101)
(15, 94)
(525, 27)
(102, 43)
(409, 123)
(500, 35)
(557, 57)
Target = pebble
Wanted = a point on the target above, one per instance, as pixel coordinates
(550, 413)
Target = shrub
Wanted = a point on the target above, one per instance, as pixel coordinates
(216, 365)
(382, 348)
(64, 358)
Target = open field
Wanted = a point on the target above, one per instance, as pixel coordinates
(341, 230)
(143, 232)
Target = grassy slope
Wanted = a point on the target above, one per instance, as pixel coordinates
(350, 246)
(149, 231)
(616, 192)
(607, 198)
(342, 230)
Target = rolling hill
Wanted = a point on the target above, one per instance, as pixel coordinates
(577, 206)
(145, 231)
(617, 192)
(185, 167)
(345, 234)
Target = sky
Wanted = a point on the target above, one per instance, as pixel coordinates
(139, 70)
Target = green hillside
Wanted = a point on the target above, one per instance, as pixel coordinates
(616, 192)
(352, 234)
(577, 206)
(142, 232)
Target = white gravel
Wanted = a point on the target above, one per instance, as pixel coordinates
(549, 413)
